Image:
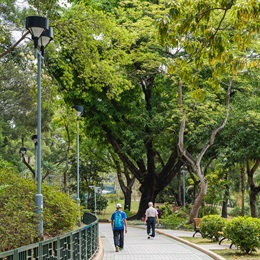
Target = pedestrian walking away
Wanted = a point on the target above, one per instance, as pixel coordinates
(151, 215)
(119, 226)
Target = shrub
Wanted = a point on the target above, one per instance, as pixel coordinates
(237, 211)
(210, 225)
(101, 202)
(60, 212)
(207, 210)
(166, 210)
(17, 211)
(173, 221)
(244, 233)
(112, 198)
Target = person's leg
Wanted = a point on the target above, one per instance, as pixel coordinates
(116, 237)
(121, 239)
(153, 222)
(148, 222)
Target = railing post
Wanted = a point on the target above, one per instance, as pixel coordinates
(40, 251)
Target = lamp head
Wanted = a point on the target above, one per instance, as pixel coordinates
(45, 38)
(22, 151)
(36, 26)
(79, 109)
(35, 139)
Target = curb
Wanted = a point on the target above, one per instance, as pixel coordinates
(208, 252)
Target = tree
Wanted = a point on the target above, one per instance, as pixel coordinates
(202, 29)
(119, 78)
(243, 133)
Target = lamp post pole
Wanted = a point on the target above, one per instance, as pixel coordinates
(39, 197)
(78, 199)
(96, 189)
(42, 34)
(79, 110)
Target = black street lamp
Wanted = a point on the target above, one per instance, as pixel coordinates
(42, 34)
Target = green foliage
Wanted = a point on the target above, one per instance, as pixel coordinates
(101, 202)
(237, 211)
(174, 221)
(17, 211)
(210, 225)
(129, 213)
(60, 211)
(206, 209)
(166, 210)
(112, 198)
(17, 218)
(244, 233)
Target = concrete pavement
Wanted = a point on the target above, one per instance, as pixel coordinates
(166, 245)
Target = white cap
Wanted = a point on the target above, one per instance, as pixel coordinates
(118, 205)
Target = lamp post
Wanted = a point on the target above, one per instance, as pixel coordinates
(96, 190)
(79, 110)
(42, 34)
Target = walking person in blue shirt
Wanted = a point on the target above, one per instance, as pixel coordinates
(119, 226)
(151, 215)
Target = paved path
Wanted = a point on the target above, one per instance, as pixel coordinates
(163, 247)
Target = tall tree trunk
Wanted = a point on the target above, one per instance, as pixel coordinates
(128, 198)
(203, 191)
(253, 205)
(196, 163)
(126, 188)
(225, 199)
(180, 190)
(148, 195)
(242, 172)
(253, 189)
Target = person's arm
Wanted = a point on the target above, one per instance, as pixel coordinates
(125, 222)
(157, 219)
(145, 219)
(112, 224)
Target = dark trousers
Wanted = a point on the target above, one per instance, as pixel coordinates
(118, 238)
(151, 224)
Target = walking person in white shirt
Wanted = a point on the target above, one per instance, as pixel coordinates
(151, 215)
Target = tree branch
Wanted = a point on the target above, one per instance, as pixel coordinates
(14, 46)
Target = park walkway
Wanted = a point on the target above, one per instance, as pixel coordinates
(164, 246)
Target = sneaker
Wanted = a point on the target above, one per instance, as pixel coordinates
(117, 249)
(121, 248)
(152, 238)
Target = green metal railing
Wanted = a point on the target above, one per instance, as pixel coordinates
(76, 245)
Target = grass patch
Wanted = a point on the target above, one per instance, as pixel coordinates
(197, 240)
(228, 254)
(233, 254)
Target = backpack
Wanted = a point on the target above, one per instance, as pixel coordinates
(118, 221)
